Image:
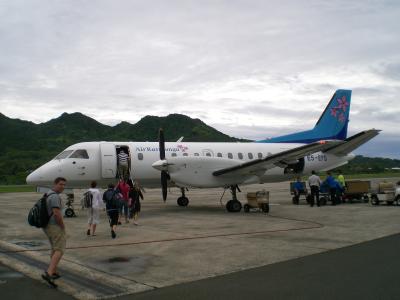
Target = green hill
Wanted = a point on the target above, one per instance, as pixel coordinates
(364, 165)
(24, 146)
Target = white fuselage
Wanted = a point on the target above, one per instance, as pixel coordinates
(101, 163)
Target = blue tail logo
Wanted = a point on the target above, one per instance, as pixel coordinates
(332, 125)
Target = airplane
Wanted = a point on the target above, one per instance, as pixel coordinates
(209, 165)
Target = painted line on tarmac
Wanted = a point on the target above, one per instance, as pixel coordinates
(314, 225)
(79, 281)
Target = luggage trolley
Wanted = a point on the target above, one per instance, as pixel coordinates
(357, 190)
(385, 193)
(257, 200)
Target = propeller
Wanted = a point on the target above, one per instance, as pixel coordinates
(164, 174)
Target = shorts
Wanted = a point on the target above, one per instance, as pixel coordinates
(113, 217)
(56, 237)
(93, 216)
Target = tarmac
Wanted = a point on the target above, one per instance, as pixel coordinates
(204, 252)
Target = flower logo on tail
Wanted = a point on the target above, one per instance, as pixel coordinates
(336, 111)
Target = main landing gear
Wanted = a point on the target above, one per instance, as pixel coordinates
(234, 205)
(183, 200)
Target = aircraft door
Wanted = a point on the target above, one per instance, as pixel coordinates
(108, 160)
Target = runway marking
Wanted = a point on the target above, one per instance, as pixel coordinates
(315, 225)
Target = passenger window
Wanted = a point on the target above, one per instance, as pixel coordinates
(240, 155)
(259, 155)
(230, 155)
(208, 154)
(64, 154)
(140, 156)
(219, 154)
(185, 154)
(250, 155)
(80, 154)
(173, 154)
(196, 154)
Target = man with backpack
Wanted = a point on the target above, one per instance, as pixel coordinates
(55, 229)
(111, 199)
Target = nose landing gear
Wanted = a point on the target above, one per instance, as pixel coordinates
(69, 211)
(183, 200)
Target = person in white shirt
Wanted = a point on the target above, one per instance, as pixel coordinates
(314, 182)
(94, 211)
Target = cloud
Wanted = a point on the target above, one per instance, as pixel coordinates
(254, 68)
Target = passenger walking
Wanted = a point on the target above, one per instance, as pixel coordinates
(332, 184)
(111, 199)
(94, 210)
(123, 188)
(314, 182)
(134, 195)
(55, 229)
(123, 164)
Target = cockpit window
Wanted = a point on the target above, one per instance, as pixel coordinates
(64, 154)
(80, 154)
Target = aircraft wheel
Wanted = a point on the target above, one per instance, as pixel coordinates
(374, 200)
(183, 201)
(233, 206)
(69, 213)
(265, 208)
(246, 208)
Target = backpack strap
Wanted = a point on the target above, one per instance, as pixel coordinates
(47, 195)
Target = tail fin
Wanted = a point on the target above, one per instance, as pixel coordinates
(332, 124)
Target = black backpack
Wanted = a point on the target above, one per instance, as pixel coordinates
(38, 215)
(87, 199)
(111, 198)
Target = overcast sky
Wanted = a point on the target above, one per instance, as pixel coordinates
(251, 69)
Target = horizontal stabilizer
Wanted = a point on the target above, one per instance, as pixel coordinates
(352, 143)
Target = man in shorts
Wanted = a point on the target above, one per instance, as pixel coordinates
(55, 229)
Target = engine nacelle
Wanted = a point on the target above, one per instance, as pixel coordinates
(197, 171)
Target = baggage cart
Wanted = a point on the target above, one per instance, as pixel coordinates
(258, 201)
(357, 190)
(384, 193)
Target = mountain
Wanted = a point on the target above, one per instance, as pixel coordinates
(25, 145)
(362, 164)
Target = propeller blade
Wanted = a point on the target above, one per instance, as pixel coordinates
(161, 141)
(164, 184)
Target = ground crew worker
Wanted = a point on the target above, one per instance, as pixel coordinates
(298, 188)
(342, 183)
(314, 182)
(332, 183)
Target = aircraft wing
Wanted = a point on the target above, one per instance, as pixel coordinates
(352, 142)
(281, 159)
